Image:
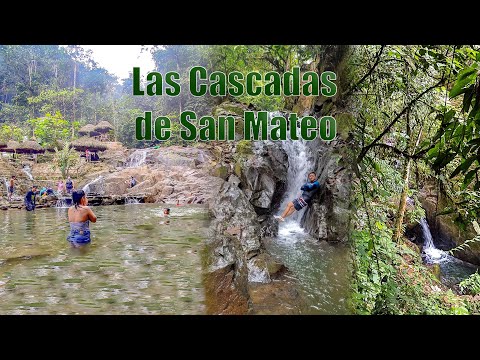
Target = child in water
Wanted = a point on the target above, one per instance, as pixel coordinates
(79, 216)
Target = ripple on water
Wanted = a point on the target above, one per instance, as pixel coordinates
(135, 263)
(320, 268)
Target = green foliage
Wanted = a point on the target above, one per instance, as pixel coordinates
(465, 245)
(65, 159)
(471, 285)
(11, 132)
(50, 129)
(389, 278)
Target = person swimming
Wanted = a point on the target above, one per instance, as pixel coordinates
(79, 216)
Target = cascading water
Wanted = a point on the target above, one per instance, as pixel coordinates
(26, 169)
(131, 201)
(137, 158)
(61, 204)
(88, 188)
(452, 270)
(6, 184)
(432, 254)
(299, 165)
(319, 268)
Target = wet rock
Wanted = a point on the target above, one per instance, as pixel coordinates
(328, 217)
(221, 294)
(263, 176)
(447, 233)
(234, 245)
(234, 180)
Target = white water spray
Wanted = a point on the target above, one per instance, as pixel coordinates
(131, 201)
(137, 158)
(433, 255)
(26, 169)
(89, 187)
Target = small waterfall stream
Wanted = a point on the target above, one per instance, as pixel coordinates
(431, 253)
(26, 169)
(452, 270)
(88, 188)
(137, 158)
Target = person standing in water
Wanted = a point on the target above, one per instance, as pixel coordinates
(30, 198)
(60, 186)
(309, 189)
(69, 185)
(11, 187)
(79, 216)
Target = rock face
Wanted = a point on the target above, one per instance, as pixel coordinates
(328, 217)
(233, 245)
(171, 174)
(263, 176)
(446, 233)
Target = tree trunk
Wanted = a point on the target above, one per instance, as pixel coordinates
(403, 197)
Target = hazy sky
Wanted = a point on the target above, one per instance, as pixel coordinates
(120, 59)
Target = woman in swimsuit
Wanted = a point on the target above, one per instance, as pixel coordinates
(79, 216)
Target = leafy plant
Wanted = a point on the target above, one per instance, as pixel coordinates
(65, 159)
(471, 285)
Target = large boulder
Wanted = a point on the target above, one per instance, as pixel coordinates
(328, 217)
(232, 251)
(263, 175)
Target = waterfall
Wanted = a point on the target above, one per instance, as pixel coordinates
(131, 201)
(137, 158)
(26, 169)
(299, 165)
(61, 204)
(432, 254)
(88, 187)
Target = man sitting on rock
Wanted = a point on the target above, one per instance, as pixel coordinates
(309, 189)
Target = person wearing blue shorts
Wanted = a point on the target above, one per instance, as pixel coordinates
(309, 189)
(11, 188)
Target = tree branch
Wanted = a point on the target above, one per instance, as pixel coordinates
(393, 122)
(377, 60)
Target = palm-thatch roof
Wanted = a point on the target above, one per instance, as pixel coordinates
(51, 147)
(89, 130)
(30, 147)
(11, 146)
(85, 143)
(103, 127)
(3, 144)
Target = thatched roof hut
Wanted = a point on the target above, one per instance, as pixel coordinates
(11, 146)
(103, 127)
(3, 144)
(84, 143)
(89, 130)
(58, 145)
(29, 147)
